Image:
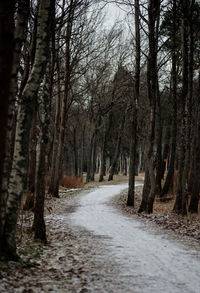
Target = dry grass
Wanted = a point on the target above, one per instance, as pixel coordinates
(116, 180)
(71, 181)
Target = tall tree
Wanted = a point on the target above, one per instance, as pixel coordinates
(173, 92)
(135, 99)
(24, 119)
(7, 9)
(179, 206)
(152, 91)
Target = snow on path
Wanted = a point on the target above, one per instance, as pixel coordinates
(148, 261)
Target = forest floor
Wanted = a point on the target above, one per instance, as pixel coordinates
(74, 258)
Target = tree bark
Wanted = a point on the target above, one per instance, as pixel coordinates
(133, 139)
(145, 192)
(64, 103)
(117, 149)
(194, 202)
(181, 187)
(39, 223)
(7, 9)
(30, 188)
(152, 83)
(19, 37)
(170, 172)
(103, 149)
(24, 119)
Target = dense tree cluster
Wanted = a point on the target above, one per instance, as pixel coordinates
(79, 98)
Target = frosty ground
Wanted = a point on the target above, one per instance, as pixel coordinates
(94, 247)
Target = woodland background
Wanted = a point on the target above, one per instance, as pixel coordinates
(79, 98)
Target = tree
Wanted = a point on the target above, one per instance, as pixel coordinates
(133, 138)
(152, 91)
(24, 119)
(7, 9)
(173, 92)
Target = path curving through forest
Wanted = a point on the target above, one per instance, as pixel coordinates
(142, 259)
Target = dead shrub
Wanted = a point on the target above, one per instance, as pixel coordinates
(71, 181)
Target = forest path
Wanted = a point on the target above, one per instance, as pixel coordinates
(139, 257)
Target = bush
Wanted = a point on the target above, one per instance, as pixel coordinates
(71, 181)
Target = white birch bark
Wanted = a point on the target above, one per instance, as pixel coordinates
(24, 119)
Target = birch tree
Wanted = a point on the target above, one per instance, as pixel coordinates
(24, 119)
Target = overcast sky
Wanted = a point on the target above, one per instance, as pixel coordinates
(114, 13)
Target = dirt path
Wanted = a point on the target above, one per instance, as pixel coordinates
(94, 248)
(147, 261)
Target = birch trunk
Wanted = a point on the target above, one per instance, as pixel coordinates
(24, 120)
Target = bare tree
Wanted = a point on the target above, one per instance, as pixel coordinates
(7, 9)
(24, 119)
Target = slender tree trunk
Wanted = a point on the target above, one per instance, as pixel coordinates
(195, 189)
(182, 145)
(117, 150)
(39, 223)
(158, 140)
(82, 150)
(145, 192)
(93, 157)
(52, 186)
(152, 81)
(89, 156)
(7, 9)
(55, 63)
(29, 204)
(133, 139)
(170, 173)
(75, 152)
(64, 102)
(165, 152)
(24, 120)
(185, 195)
(103, 149)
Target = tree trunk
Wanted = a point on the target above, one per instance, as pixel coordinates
(117, 149)
(152, 81)
(64, 102)
(19, 37)
(133, 139)
(158, 140)
(170, 173)
(182, 180)
(93, 157)
(52, 188)
(7, 9)
(29, 204)
(165, 152)
(24, 120)
(39, 224)
(145, 192)
(194, 202)
(103, 149)
(89, 156)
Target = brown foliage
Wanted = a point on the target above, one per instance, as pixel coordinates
(66, 181)
(71, 181)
